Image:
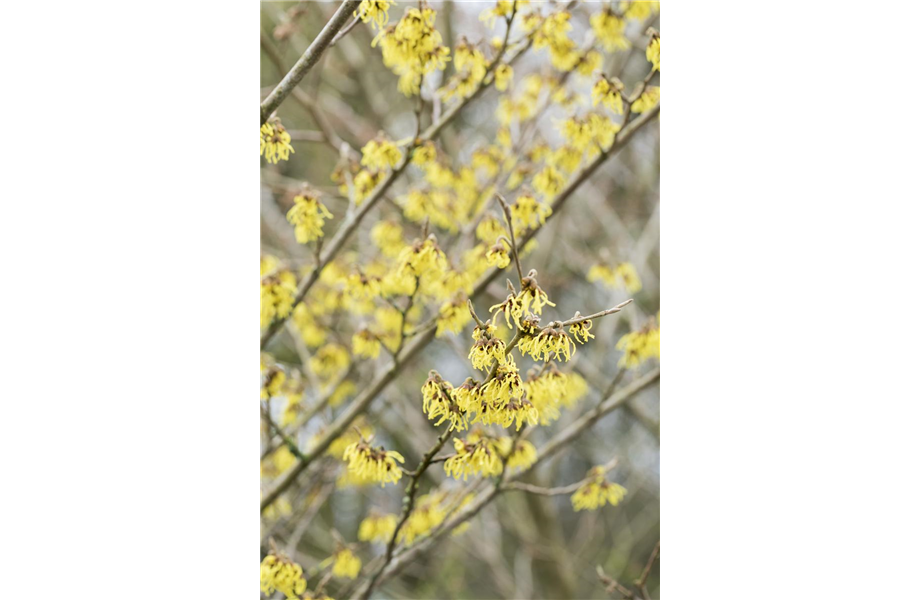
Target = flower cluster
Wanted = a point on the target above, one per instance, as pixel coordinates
(376, 464)
(438, 401)
(610, 93)
(276, 296)
(277, 572)
(307, 216)
(609, 30)
(471, 66)
(345, 564)
(649, 98)
(412, 48)
(486, 348)
(597, 492)
(375, 12)
(380, 154)
(653, 50)
(527, 212)
(550, 343)
(275, 141)
(623, 276)
(366, 343)
(549, 389)
(640, 346)
(377, 528)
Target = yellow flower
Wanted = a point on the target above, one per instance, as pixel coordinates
(649, 98)
(511, 308)
(427, 514)
(549, 182)
(489, 229)
(610, 93)
(365, 343)
(278, 291)
(485, 349)
(624, 276)
(380, 154)
(503, 75)
(497, 256)
(503, 9)
(376, 464)
(364, 183)
(640, 346)
(609, 30)
(480, 457)
(311, 332)
(524, 455)
(589, 63)
(424, 154)
(374, 11)
(567, 158)
(581, 330)
(453, 316)
(653, 50)
(280, 573)
(422, 257)
(412, 48)
(377, 528)
(548, 344)
(272, 380)
(527, 212)
(388, 237)
(346, 564)
(638, 10)
(597, 492)
(349, 437)
(275, 142)
(532, 294)
(329, 361)
(307, 216)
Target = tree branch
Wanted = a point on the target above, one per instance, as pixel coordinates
(309, 58)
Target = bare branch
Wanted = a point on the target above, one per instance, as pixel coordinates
(309, 58)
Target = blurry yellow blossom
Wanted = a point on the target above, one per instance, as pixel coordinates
(275, 141)
(640, 346)
(649, 98)
(311, 332)
(280, 573)
(412, 48)
(503, 75)
(307, 216)
(365, 343)
(610, 93)
(597, 492)
(638, 10)
(453, 316)
(653, 50)
(272, 380)
(278, 292)
(527, 212)
(377, 528)
(549, 181)
(609, 30)
(380, 154)
(427, 514)
(388, 237)
(330, 360)
(346, 564)
(624, 276)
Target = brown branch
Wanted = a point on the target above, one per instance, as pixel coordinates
(408, 504)
(309, 58)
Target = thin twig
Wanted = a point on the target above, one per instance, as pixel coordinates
(309, 58)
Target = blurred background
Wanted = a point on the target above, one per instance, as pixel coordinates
(521, 545)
